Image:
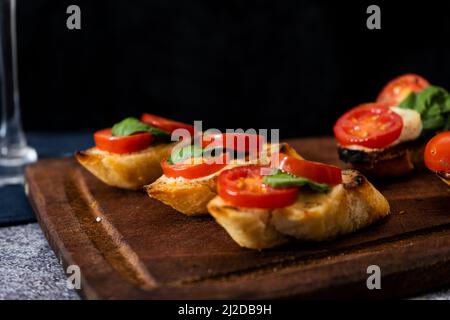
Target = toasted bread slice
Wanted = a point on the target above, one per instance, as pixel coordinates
(314, 217)
(190, 196)
(395, 161)
(249, 227)
(184, 195)
(127, 171)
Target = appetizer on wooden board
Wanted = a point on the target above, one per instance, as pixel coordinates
(302, 200)
(387, 138)
(437, 156)
(128, 155)
(188, 185)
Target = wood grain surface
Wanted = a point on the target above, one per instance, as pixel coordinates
(143, 249)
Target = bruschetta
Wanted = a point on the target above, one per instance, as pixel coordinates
(387, 137)
(303, 200)
(437, 156)
(188, 187)
(128, 155)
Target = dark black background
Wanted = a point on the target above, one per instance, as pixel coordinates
(293, 65)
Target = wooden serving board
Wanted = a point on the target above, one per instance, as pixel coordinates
(144, 249)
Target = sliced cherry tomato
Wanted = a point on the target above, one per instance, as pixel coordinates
(437, 153)
(188, 169)
(399, 88)
(105, 141)
(165, 124)
(243, 187)
(240, 142)
(371, 125)
(315, 171)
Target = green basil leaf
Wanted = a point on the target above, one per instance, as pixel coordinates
(433, 123)
(169, 161)
(425, 97)
(447, 123)
(181, 154)
(132, 125)
(281, 179)
(433, 104)
(128, 126)
(409, 102)
(158, 133)
(446, 105)
(433, 111)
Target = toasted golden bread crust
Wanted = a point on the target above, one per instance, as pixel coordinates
(127, 171)
(187, 196)
(314, 217)
(191, 196)
(249, 227)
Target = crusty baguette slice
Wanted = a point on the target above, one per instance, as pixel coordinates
(186, 196)
(127, 171)
(190, 196)
(314, 217)
(249, 227)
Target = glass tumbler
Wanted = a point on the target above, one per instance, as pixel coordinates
(14, 152)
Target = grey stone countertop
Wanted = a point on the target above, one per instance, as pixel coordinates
(28, 267)
(30, 270)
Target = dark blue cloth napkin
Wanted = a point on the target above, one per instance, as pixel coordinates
(14, 205)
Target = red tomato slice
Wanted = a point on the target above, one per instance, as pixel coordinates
(437, 153)
(243, 187)
(165, 124)
(240, 142)
(190, 170)
(105, 141)
(399, 88)
(371, 125)
(315, 171)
